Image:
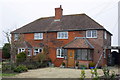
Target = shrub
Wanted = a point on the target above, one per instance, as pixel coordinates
(77, 63)
(92, 64)
(31, 66)
(6, 51)
(83, 67)
(63, 64)
(82, 76)
(40, 57)
(21, 57)
(6, 67)
(20, 68)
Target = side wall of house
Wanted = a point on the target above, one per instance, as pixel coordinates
(107, 42)
(98, 46)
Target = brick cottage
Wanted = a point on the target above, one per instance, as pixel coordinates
(69, 38)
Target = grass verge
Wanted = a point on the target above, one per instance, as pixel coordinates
(7, 74)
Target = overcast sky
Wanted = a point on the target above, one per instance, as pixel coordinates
(16, 13)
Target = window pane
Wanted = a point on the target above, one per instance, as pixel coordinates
(58, 52)
(84, 54)
(94, 33)
(79, 55)
(88, 33)
(38, 35)
(16, 37)
(62, 35)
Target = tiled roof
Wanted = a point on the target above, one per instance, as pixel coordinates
(79, 43)
(66, 23)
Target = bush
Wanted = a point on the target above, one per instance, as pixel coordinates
(77, 63)
(92, 64)
(31, 66)
(83, 66)
(40, 57)
(6, 67)
(21, 57)
(6, 51)
(21, 68)
(63, 64)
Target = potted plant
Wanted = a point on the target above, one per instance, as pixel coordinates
(92, 65)
(76, 65)
(63, 64)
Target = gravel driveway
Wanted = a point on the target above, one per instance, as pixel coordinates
(57, 73)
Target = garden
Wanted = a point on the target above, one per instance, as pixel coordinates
(23, 64)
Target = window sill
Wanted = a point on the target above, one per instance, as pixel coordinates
(91, 37)
(38, 39)
(62, 38)
(60, 57)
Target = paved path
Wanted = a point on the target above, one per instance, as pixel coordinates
(56, 73)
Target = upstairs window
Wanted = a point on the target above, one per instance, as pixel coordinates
(37, 51)
(105, 35)
(60, 54)
(38, 36)
(62, 35)
(16, 36)
(21, 50)
(91, 34)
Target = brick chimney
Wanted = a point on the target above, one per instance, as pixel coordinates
(58, 13)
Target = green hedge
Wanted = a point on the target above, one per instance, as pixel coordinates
(21, 68)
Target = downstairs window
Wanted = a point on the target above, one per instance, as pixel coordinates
(83, 54)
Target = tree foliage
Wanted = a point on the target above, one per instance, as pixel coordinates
(40, 57)
(21, 57)
(6, 51)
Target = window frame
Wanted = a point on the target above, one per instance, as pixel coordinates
(30, 51)
(105, 35)
(16, 37)
(60, 34)
(21, 50)
(39, 36)
(91, 34)
(38, 51)
(79, 56)
(61, 53)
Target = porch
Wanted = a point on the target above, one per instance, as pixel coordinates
(78, 51)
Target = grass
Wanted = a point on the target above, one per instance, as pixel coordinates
(7, 74)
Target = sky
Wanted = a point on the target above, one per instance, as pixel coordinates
(16, 13)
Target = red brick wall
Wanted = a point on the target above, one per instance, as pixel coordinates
(51, 40)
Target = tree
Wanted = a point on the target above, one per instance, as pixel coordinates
(40, 57)
(6, 50)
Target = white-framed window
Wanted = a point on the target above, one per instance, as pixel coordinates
(29, 53)
(37, 51)
(21, 50)
(16, 36)
(38, 36)
(60, 54)
(62, 35)
(91, 34)
(105, 35)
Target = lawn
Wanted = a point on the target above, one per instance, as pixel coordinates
(7, 74)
